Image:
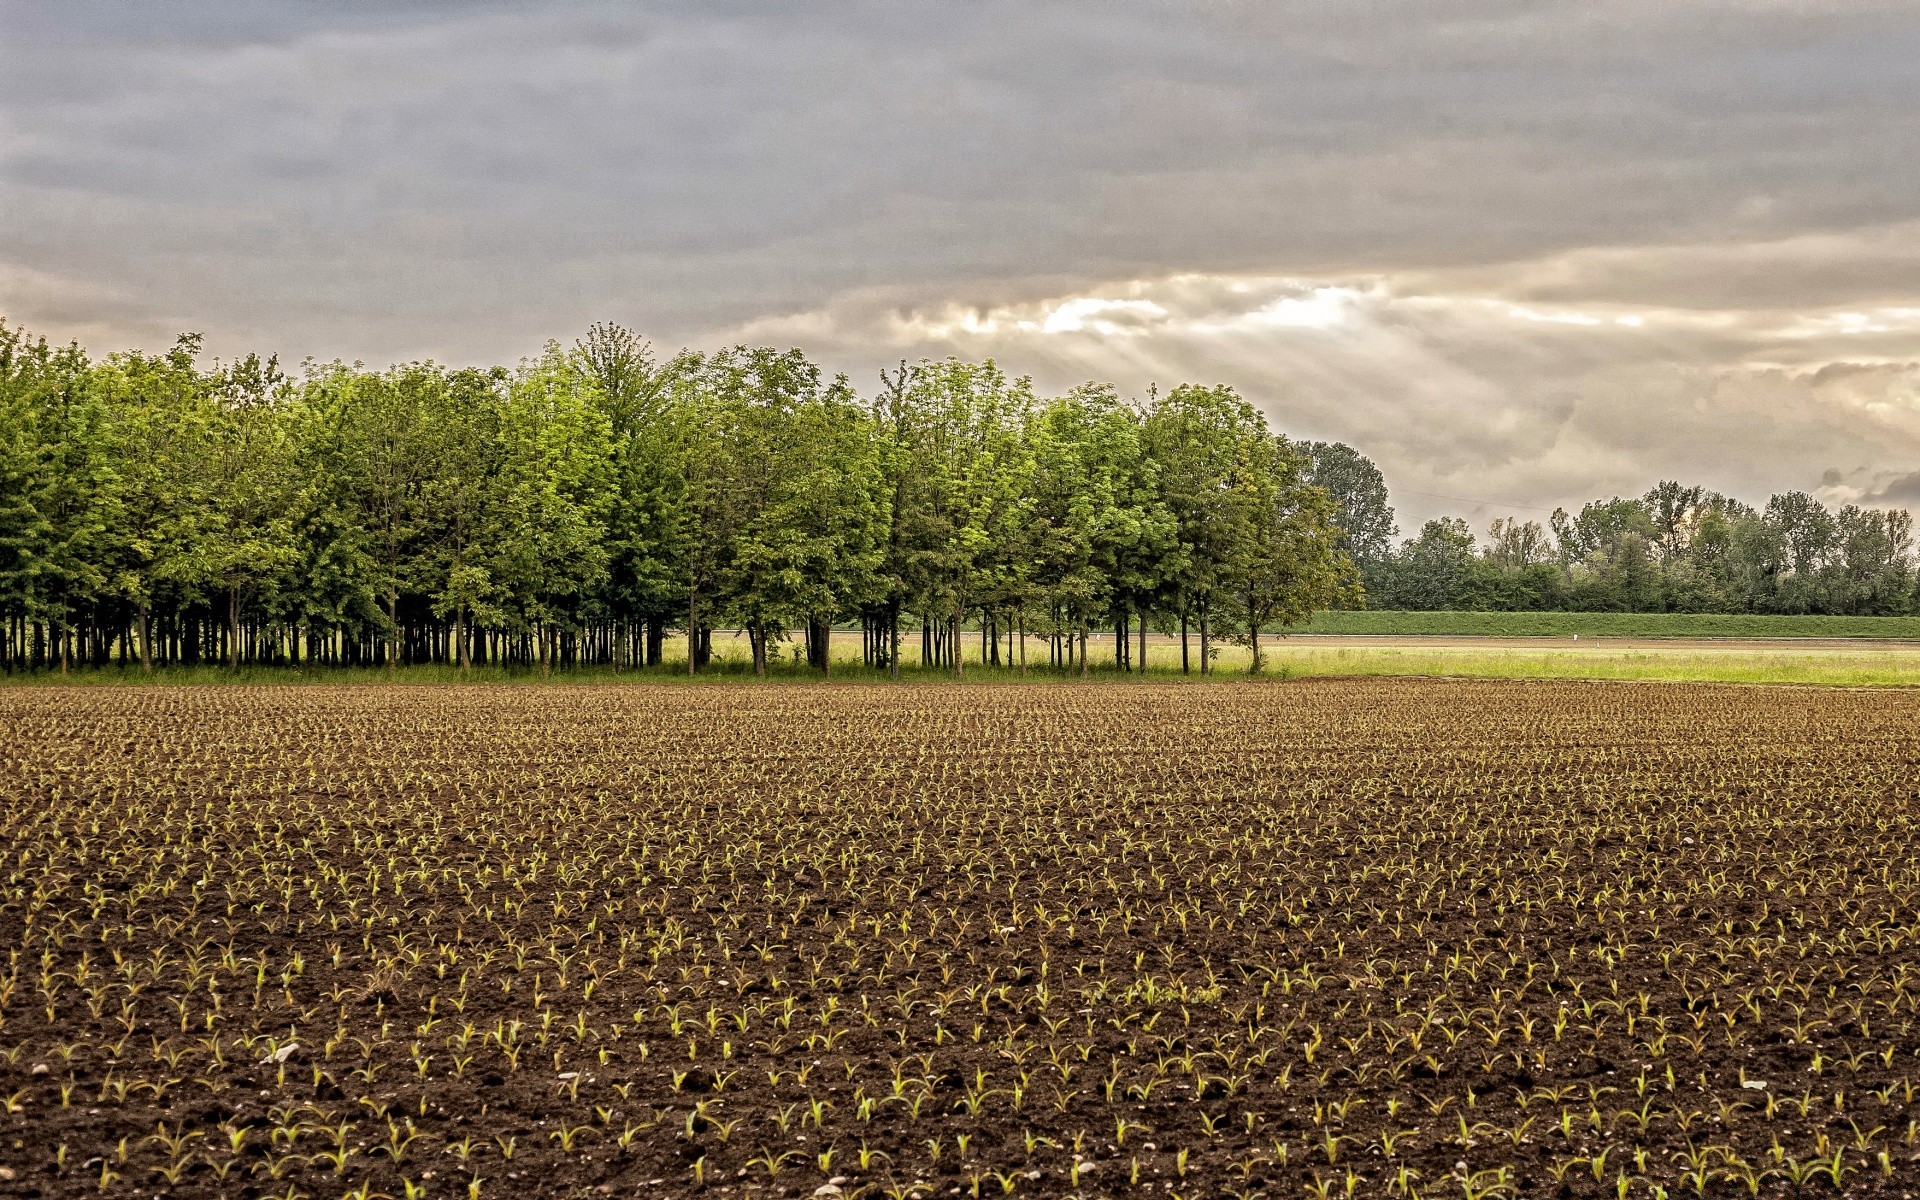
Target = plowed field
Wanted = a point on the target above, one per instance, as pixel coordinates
(1419, 938)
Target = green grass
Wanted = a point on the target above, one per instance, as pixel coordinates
(1835, 667)
(1635, 625)
(1297, 658)
(1405, 644)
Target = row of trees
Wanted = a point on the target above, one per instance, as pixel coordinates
(1678, 548)
(158, 509)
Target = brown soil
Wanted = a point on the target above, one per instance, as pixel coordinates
(1137, 940)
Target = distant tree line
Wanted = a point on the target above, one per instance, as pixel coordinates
(1679, 548)
(576, 509)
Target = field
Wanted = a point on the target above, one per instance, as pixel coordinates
(1850, 661)
(1846, 662)
(1597, 624)
(1327, 937)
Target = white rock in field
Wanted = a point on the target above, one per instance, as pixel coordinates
(282, 1054)
(569, 1075)
(1686, 841)
(1757, 1085)
(826, 1189)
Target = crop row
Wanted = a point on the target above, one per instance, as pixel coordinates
(1408, 938)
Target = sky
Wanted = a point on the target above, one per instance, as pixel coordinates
(1522, 253)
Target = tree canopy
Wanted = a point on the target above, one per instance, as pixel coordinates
(576, 507)
(1678, 548)
(164, 508)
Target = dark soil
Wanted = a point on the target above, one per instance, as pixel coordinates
(1350, 938)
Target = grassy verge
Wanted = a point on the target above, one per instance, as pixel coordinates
(1898, 667)
(1638, 625)
(1784, 662)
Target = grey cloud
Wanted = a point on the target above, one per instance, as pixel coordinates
(383, 180)
(1897, 491)
(1874, 265)
(1456, 396)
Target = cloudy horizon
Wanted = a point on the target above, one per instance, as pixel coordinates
(1520, 254)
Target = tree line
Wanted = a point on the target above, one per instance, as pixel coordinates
(160, 509)
(1678, 548)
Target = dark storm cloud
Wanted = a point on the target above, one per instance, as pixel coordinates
(379, 180)
(1898, 491)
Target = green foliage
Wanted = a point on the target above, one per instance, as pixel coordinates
(796, 478)
(1401, 623)
(957, 467)
(58, 492)
(1290, 562)
(1362, 515)
(1677, 549)
(544, 548)
(170, 511)
(183, 513)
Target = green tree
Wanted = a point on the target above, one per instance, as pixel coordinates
(1289, 562)
(546, 549)
(57, 487)
(161, 412)
(647, 533)
(806, 501)
(381, 446)
(1105, 532)
(955, 465)
(1359, 494)
(241, 542)
(1201, 440)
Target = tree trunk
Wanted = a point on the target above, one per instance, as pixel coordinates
(233, 627)
(757, 638)
(953, 641)
(1023, 640)
(393, 631)
(1206, 643)
(146, 637)
(824, 640)
(1185, 667)
(1253, 643)
(1143, 640)
(893, 641)
(693, 627)
(1083, 646)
